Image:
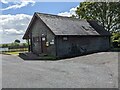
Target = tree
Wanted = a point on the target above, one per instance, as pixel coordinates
(25, 44)
(14, 45)
(17, 41)
(4, 45)
(106, 13)
(116, 39)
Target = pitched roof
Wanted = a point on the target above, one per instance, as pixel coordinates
(69, 26)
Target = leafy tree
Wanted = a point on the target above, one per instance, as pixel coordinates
(4, 45)
(106, 13)
(116, 36)
(116, 39)
(14, 45)
(25, 44)
(17, 41)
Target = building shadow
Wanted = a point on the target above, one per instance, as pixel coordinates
(32, 57)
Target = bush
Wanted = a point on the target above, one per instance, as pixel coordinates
(115, 44)
(4, 45)
(17, 41)
(116, 39)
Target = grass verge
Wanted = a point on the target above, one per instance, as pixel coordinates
(12, 53)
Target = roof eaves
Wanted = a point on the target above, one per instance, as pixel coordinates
(28, 29)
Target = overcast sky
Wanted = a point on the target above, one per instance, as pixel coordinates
(17, 15)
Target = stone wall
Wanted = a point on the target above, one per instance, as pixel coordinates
(75, 45)
(39, 29)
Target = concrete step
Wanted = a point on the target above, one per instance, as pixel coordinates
(32, 56)
(28, 55)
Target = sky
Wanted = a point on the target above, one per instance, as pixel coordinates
(16, 16)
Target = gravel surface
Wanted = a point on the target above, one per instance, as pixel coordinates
(99, 70)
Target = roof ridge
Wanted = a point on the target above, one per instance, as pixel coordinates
(52, 15)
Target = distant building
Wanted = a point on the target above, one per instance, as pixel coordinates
(64, 36)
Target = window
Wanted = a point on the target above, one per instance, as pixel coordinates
(43, 38)
(65, 38)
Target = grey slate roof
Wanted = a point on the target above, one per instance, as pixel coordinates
(69, 26)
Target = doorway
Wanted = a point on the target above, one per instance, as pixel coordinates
(43, 45)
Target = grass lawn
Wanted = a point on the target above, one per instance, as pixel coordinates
(12, 53)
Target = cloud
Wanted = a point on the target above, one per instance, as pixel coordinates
(13, 31)
(13, 27)
(18, 4)
(14, 24)
(4, 1)
(69, 13)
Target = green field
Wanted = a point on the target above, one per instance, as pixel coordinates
(13, 53)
